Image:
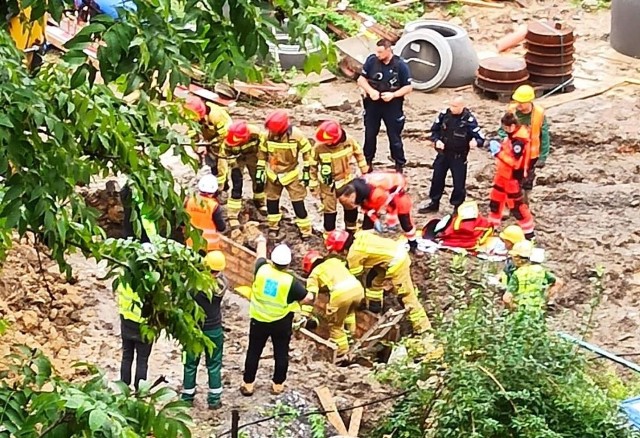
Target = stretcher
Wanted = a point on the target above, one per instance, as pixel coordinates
(492, 253)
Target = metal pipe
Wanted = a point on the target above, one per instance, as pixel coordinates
(601, 352)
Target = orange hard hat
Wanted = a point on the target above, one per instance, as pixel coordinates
(238, 133)
(197, 106)
(329, 131)
(277, 122)
(336, 240)
(309, 259)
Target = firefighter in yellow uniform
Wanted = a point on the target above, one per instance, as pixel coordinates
(205, 212)
(240, 150)
(29, 36)
(278, 168)
(331, 170)
(384, 258)
(215, 123)
(345, 295)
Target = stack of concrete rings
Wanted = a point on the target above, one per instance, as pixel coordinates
(439, 54)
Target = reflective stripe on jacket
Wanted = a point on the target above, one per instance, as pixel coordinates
(370, 249)
(281, 156)
(331, 165)
(334, 275)
(129, 304)
(269, 294)
(532, 285)
(200, 210)
(536, 121)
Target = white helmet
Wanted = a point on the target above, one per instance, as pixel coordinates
(208, 184)
(281, 255)
(537, 255)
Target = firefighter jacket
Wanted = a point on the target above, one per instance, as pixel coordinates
(269, 294)
(466, 229)
(511, 158)
(234, 154)
(537, 123)
(333, 275)
(280, 155)
(370, 249)
(528, 284)
(201, 211)
(331, 164)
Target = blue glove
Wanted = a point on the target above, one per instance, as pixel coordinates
(378, 226)
(494, 147)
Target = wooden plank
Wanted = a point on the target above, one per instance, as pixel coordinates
(584, 94)
(329, 405)
(354, 424)
(482, 3)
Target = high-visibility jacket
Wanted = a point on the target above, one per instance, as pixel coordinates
(511, 157)
(129, 303)
(528, 285)
(26, 34)
(269, 294)
(536, 121)
(370, 249)
(333, 163)
(248, 149)
(334, 275)
(200, 210)
(385, 187)
(280, 156)
(466, 229)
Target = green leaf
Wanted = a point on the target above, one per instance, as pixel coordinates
(5, 121)
(97, 419)
(79, 77)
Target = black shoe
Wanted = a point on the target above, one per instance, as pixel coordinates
(413, 246)
(433, 207)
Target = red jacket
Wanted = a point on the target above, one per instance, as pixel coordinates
(383, 189)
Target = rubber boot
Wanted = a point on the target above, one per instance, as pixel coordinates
(525, 197)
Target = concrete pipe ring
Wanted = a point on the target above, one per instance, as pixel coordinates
(465, 58)
(429, 57)
(625, 32)
(294, 55)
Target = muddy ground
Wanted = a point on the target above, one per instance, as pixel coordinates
(585, 206)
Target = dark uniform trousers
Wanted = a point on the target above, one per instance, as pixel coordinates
(391, 113)
(457, 164)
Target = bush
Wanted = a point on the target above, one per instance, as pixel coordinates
(502, 375)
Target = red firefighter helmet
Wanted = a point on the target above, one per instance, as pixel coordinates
(336, 240)
(309, 259)
(277, 122)
(238, 133)
(196, 105)
(329, 132)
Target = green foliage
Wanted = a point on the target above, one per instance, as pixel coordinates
(89, 408)
(454, 9)
(503, 374)
(286, 415)
(388, 16)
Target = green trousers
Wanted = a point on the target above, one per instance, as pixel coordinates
(214, 368)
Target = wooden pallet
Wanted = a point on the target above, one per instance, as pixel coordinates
(505, 96)
(378, 331)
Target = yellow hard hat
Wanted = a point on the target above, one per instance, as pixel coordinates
(513, 234)
(522, 249)
(524, 94)
(218, 116)
(215, 261)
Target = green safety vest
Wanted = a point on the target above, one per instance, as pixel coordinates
(129, 304)
(532, 284)
(269, 294)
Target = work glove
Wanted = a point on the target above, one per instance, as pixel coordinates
(306, 176)
(326, 175)
(261, 178)
(494, 147)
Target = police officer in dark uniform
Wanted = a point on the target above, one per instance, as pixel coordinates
(386, 79)
(453, 133)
